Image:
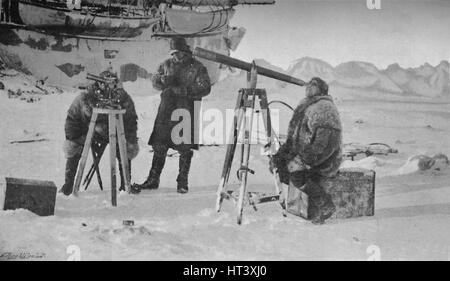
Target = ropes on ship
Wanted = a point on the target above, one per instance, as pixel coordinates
(220, 15)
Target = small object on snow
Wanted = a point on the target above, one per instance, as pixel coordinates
(28, 96)
(29, 141)
(44, 91)
(380, 148)
(441, 162)
(83, 224)
(30, 137)
(352, 149)
(423, 162)
(41, 82)
(359, 121)
(441, 158)
(416, 163)
(128, 222)
(30, 99)
(12, 94)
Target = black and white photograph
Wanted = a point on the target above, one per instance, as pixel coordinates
(224, 130)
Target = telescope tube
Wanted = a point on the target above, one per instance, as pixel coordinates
(213, 56)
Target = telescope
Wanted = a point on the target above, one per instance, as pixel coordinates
(106, 97)
(99, 79)
(242, 128)
(219, 58)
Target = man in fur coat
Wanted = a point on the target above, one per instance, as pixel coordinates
(77, 125)
(312, 150)
(183, 82)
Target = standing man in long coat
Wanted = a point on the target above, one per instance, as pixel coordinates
(184, 81)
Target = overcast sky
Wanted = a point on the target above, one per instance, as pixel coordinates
(408, 32)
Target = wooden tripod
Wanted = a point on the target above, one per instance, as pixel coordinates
(116, 134)
(246, 101)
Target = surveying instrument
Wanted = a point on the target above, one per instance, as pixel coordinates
(246, 102)
(111, 108)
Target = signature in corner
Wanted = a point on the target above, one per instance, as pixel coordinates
(21, 256)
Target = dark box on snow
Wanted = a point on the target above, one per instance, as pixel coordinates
(34, 195)
(352, 192)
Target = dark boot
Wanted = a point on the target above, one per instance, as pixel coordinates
(324, 213)
(183, 171)
(328, 209)
(158, 162)
(70, 172)
(322, 207)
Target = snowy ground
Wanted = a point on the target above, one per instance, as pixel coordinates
(412, 215)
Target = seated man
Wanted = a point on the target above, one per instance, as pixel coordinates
(313, 148)
(79, 117)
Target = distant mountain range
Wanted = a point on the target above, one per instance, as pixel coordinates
(426, 80)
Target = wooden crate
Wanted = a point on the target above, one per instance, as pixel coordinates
(34, 195)
(352, 192)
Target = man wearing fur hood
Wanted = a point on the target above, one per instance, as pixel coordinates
(313, 148)
(77, 125)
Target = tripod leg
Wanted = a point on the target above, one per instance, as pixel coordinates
(246, 157)
(283, 195)
(231, 147)
(123, 152)
(112, 155)
(84, 154)
(266, 114)
(97, 170)
(242, 145)
(94, 168)
(90, 174)
(271, 137)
